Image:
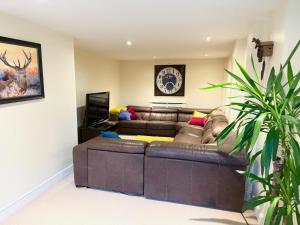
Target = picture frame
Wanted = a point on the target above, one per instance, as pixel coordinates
(21, 71)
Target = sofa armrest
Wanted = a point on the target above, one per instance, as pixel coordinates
(80, 164)
(117, 145)
(208, 153)
(113, 116)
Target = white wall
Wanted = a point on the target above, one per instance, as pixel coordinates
(137, 82)
(283, 23)
(96, 73)
(292, 31)
(37, 136)
(239, 54)
(281, 27)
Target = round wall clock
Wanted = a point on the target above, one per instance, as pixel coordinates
(169, 80)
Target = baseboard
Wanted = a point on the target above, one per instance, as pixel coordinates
(34, 193)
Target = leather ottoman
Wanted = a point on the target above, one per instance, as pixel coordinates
(110, 164)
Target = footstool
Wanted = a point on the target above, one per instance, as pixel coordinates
(110, 164)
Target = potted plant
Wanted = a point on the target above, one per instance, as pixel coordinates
(273, 110)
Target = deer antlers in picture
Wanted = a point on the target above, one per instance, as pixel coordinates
(15, 66)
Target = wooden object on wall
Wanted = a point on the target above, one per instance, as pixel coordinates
(264, 49)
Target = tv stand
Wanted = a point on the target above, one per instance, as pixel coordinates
(99, 123)
(87, 133)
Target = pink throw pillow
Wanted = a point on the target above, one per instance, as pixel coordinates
(199, 121)
(133, 116)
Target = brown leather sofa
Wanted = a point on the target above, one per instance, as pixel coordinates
(194, 174)
(157, 121)
(192, 170)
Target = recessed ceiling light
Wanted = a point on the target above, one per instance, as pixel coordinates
(154, 57)
(205, 55)
(128, 43)
(208, 38)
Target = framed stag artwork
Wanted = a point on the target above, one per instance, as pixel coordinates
(169, 80)
(21, 72)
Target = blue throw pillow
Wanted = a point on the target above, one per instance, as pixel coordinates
(124, 115)
(108, 134)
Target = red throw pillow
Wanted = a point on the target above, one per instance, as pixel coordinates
(200, 121)
(133, 116)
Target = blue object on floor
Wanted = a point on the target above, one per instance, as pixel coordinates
(108, 134)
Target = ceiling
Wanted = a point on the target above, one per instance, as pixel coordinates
(162, 28)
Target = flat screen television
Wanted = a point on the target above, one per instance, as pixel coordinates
(97, 108)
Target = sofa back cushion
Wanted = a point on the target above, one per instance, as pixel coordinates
(163, 114)
(214, 126)
(185, 114)
(219, 123)
(199, 121)
(133, 115)
(188, 139)
(142, 112)
(218, 127)
(208, 137)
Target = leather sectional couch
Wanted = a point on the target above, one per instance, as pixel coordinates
(192, 169)
(157, 121)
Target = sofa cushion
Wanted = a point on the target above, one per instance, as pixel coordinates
(195, 131)
(132, 131)
(164, 133)
(228, 144)
(185, 114)
(208, 124)
(217, 112)
(208, 137)
(219, 118)
(199, 114)
(143, 115)
(199, 121)
(217, 123)
(163, 114)
(117, 145)
(133, 115)
(161, 125)
(180, 125)
(191, 110)
(218, 127)
(108, 134)
(183, 151)
(150, 139)
(184, 117)
(118, 109)
(142, 112)
(124, 115)
(200, 153)
(140, 108)
(138, 124)
(164, 110)
(163, 117)
(185, 138)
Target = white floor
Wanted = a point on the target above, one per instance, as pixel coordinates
(66, 205)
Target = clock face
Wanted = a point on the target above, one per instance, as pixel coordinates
(169, 80)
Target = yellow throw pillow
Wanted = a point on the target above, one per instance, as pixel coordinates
(150, 139)
(118, 109)
(199, 114)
